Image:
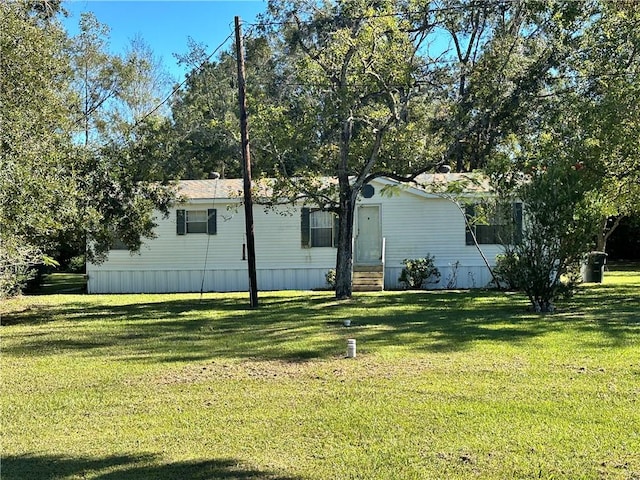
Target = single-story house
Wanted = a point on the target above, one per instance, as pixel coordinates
(201, 246)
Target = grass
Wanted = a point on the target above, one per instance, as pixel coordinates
(445, 385)
(62, 283)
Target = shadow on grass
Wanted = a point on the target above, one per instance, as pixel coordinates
(288, 328)
(609, 309)
(128, 468)
(297, 327)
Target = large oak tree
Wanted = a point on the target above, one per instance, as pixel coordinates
(395, 89)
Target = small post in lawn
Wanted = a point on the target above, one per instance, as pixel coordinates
(351, 348)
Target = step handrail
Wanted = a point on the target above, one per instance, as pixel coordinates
(384, 255)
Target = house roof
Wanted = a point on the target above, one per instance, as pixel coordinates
(468, 182)
(427, 183)
(214, 188)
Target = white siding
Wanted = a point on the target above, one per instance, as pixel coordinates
(413, 225)
(181, 263)
(416, 225)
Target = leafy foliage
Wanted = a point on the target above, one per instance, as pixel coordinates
(64, 175)
(330, 277)
(419, 272)
(560, 226)
(203, 130)
(35, 188)
(576, 168)
(506, 272)
(607, 121)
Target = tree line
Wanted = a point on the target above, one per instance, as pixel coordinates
(541, 95)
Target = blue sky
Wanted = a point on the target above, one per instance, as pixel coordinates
(165, 25)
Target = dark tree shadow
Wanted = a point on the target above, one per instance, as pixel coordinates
(294, 328)
(284, 328)
(142, 467)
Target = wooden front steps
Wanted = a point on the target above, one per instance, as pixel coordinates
(368, 278)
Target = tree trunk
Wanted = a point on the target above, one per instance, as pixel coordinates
(344, 258)
(605, 232)
(347, 200)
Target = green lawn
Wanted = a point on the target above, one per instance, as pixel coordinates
(62, 283)
(445, 385)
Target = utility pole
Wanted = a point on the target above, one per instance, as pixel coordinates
(246, 158)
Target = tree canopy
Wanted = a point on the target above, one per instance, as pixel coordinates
(54, 183)
(347, 90)
(35, 190)
(397, 89)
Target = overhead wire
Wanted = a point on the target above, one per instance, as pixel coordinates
(179, 86)
(253, 26)
(206, 254)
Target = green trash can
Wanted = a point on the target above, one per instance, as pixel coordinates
(593, 267)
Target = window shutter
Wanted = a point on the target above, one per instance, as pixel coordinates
(181, 227)
(212, 221)
(336, 229)
(470, 212)
(305, 228)
(517, 219)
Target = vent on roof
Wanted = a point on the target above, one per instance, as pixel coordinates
(214, 175)
(443, 169)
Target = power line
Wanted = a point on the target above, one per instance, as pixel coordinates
(178, 87)
(406, 15)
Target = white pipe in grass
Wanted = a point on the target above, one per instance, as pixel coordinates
(351, 348)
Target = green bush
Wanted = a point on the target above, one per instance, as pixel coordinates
(330, 277)
(77, 264)
(14, 278)
(518, 272)
(418, 272)
(505, 272)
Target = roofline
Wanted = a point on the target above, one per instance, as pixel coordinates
(410, 187)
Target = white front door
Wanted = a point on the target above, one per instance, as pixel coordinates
(368, 238)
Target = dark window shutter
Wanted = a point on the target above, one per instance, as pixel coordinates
(470, 212)
(305, 228)
(336, 229)
(517, 219)
(181, 227)
(212, 221)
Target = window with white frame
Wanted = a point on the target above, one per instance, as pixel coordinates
(321, 229)
(196, 221)
(318, 228)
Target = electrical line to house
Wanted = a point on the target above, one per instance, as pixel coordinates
(408, 14)
(206, 254)
(178, 87)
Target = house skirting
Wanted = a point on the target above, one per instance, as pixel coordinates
(236, 280)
